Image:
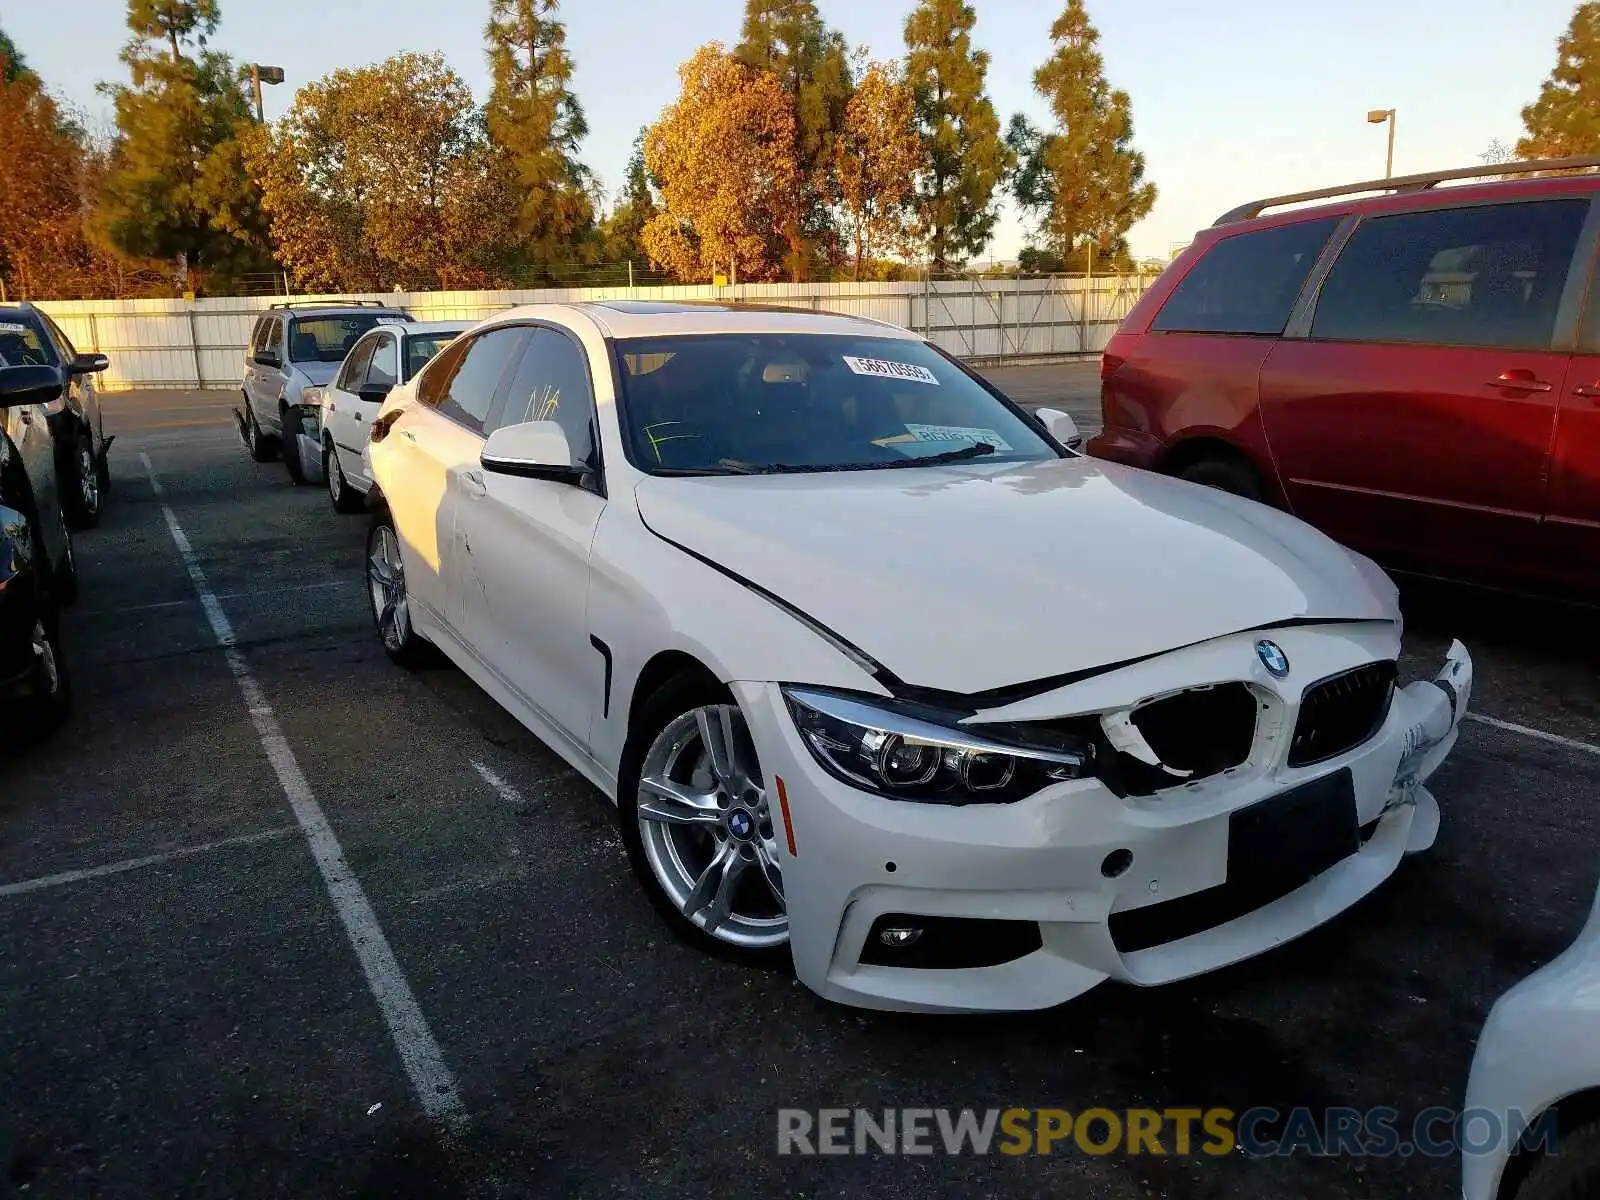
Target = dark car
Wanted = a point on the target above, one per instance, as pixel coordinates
(29, 338)
(1416, 373)
(37, 571)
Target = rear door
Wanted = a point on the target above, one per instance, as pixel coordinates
(435, 441)
(1572, 512)
(1412, 417)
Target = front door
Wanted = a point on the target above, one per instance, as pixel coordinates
(1572, 515)
(525, 547)
(345, 417)
(1415, 420)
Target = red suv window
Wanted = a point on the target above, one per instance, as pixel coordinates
(1247, 283)
(1485, 275)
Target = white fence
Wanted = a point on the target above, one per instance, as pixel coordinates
(184, 344)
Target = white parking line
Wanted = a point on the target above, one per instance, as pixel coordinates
(420, 1054)
(133, 864)
(277, 591)
(1555, 739)
(507, 793)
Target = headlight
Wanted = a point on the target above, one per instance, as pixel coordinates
(911, 757)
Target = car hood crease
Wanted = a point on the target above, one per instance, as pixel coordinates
(976, 576)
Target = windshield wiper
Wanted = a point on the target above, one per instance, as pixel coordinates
(977, 450)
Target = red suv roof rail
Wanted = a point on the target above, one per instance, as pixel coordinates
(1411, 183)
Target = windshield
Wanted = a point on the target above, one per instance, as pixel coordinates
(421, 347)
(327, 339)
(21, 346)
(736, 403)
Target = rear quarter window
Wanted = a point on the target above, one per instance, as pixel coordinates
(1247, 283)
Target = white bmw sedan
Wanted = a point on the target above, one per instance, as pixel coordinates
(882, 677)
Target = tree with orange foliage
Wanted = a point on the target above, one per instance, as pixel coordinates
(876, 159)
(724, 155)
(42, 249)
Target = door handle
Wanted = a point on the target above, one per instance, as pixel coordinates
(1520, 380)
(1587, 389)
(472, 483)
(359, 417)
(409, 434)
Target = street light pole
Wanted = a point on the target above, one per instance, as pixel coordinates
(1380, 116)
(260, 74)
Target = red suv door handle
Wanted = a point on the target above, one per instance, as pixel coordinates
(1521, 380)
(1587, 389)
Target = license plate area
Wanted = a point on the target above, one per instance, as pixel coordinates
(1295, 835)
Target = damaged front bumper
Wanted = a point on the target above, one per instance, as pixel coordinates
(1078, 884)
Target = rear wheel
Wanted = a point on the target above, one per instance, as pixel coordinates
(80, 483)
(50, 694)
(698, 827)
(261, 449)
(1227, 475)
(345, 498)
(386, 590)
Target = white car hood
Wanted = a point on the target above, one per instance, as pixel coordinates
(973, 577)
(319, 373)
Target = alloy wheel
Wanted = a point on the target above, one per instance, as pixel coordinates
(88, 479)
(335, 476)
(44, 653)
(706, 828)
(386, 585)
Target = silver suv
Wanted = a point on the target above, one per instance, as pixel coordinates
(293, 347)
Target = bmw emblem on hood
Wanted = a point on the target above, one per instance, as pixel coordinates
(1272, 658)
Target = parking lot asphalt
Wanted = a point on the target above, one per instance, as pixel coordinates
(185, 1010)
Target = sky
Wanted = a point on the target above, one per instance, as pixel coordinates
(1232, 99)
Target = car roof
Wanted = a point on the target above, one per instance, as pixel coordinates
(424, 328)
(15, 315)
(649, 318)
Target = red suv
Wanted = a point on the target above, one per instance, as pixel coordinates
(1416, 373)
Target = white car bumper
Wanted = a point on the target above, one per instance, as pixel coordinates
(1048, 865)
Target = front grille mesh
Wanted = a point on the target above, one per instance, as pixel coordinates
(1341, 712)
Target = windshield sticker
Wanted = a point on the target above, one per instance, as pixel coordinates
(13, 327)
(962, 435)
(885, 368)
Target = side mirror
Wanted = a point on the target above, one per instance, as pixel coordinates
(24, 386)
(375, 393)
(89, 364)
(268, 358)
(1061, 426)
(534, 450)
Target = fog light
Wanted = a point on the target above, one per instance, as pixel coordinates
(899, 937)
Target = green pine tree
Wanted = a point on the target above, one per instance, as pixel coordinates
(788, 38)
(175, 190)
(622, 236)
(965, 158)
(1082, 180)
(536, 121)
(1565, 119)
(12, 64)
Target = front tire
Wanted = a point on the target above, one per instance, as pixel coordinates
(386, 592)
(80, 483)
(345, 498)
(695, 820)
(289, 442)
(50, 698)
(1573, 1173)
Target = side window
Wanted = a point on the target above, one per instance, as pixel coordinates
(552, 384)
(355, 366)
(63, 343)
(272, 334)
(385, 367)
(1487, 275)
(257, 331)
(464, 386)
(1246, 283)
